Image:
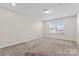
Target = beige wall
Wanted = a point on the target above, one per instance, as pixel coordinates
(15, 28)
(69, 31)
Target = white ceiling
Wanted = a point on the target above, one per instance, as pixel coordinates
(35, 10)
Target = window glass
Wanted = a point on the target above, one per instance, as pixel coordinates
(57, 27)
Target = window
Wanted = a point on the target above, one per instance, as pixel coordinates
(57, 27)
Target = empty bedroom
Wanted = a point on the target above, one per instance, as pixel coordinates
(39, 29)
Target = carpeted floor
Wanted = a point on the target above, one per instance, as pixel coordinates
(43, 47)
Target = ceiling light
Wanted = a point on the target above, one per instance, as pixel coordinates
(13, 4)
(47, 11)
(66, 15)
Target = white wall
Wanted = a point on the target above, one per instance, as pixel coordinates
(78, 28)
(15, 28)
(69, 31)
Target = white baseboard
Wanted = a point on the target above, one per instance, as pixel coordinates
(60, 38)
(33, 38)
(7, 45)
